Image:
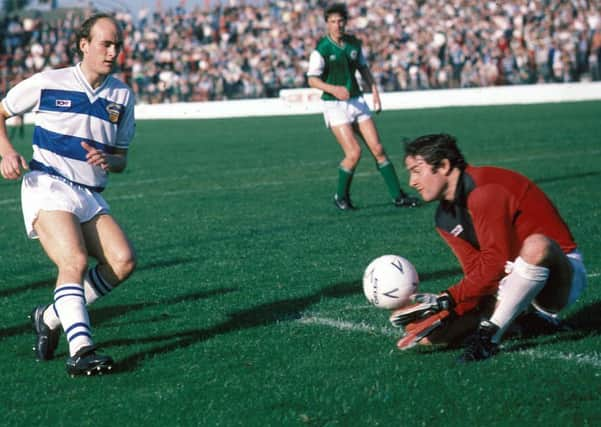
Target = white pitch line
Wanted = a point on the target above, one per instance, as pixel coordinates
(345, 326)
(10, 202)
(128, 197)
(593, 359)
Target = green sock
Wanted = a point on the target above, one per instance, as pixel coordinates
(344, 182)
(390, 178)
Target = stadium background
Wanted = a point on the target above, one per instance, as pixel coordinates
(205, 51)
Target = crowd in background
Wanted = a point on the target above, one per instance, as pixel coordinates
(250, 50)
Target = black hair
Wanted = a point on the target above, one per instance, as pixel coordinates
(85, 30)
(435, 148)
(336, 8)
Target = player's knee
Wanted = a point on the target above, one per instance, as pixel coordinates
(353, 155)
(123, 264)
(379, 153)
(537, 249)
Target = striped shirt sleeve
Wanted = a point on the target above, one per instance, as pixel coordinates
(24, 96)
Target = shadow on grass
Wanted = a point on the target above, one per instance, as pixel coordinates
(103, 313)
(23, 327)
(46, 283)
(587, 319)
(49, 283)
(583, 323)
(261, 315)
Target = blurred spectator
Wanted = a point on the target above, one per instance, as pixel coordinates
(256, 48)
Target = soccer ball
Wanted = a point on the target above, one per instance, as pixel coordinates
(388, 281)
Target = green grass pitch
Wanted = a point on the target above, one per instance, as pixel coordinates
(247, 307)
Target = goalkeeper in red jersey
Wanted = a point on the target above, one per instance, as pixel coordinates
(517, 254)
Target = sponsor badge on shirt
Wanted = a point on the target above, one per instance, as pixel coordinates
(63, 103)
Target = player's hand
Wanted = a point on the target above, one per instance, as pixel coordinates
(12, 165)
(421, 306)
(416, 332)
(95, 156)
(341, 93)
(377, 103)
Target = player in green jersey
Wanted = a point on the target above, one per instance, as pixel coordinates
(332, 68)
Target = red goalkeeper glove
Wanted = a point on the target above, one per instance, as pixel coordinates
(417, 331)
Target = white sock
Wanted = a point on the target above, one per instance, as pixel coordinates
(516, 292)
(94, 287)
(69, 303)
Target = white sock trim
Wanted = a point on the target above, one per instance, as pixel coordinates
(530, 271)
(95, 286)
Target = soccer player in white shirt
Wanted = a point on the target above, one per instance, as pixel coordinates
(84, 122)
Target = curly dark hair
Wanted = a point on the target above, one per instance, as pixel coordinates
(85, 31)
(435, 148)
(336, 8)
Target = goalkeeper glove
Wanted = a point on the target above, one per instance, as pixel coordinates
(423, 305)
(417, 331)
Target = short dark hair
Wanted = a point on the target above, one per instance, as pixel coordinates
(435, 148)
(336, 8)
(85, 30)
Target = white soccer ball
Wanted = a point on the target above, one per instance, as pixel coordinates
(388, 281)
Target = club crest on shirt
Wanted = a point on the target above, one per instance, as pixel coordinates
(114, 111)
(63, 103)
(332, 57)
(457, 230)
(354, 54)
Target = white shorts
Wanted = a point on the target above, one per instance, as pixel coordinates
(40, 191)
(578, 278)
(337, 113)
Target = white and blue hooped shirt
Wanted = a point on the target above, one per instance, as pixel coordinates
(68, 111)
